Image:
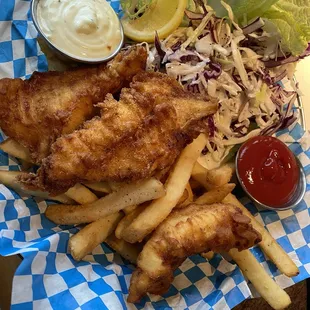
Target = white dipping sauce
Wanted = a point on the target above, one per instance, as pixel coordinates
(83, 28)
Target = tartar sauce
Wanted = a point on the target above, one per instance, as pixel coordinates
(83, 28)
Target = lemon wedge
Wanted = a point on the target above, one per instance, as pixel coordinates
(163, 16)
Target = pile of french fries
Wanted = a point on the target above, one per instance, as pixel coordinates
(126, 214)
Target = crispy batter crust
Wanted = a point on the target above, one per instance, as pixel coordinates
(35, 112)
(195, 229)
(135, 137)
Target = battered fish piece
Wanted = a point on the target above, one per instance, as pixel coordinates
(192, 230)
(37, 111)
(135, 137)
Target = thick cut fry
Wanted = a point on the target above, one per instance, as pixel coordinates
(115, 186)
(199, 174)
(215, 195)
(127, 250)
(129, 209)
(221, 175)
(158, 210)
(81, 194)
(194, 184)
(128, 195)
(102, 187)
(268, 244)
(92, 235)
(208, 255)
(10, 179)
(126, 221)
(276, 297)
(183, 197)
(25, 165)
(213, 178)
(187, 197)
(13, 148)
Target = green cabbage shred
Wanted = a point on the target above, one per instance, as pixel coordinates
(135, 8)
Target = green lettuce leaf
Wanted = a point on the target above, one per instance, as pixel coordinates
(292, 20)
(244, 10)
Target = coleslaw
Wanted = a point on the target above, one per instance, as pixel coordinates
(217, 58)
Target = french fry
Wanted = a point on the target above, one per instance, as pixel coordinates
(9, 179)
(199, 174)
(81, 194)
(158, 210)
(208, 255)
(102, 187)
(129, 209)
(115, 186)
(127, 250)
(92, 235)
(128, 195)
(215, 195)
(15, 149)
(221, 175)
(268, 244)
(183, 198)
(276, 297)
(213, 178)
(25, 165)
(194, 184)
(187, 197)
(127, 220)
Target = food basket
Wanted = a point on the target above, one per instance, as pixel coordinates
(49, 278)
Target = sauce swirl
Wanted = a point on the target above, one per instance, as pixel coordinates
(81, 28)
(268, 170)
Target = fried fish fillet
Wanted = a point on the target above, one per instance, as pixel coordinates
(195, 229)
(37, 111)
(135, 137)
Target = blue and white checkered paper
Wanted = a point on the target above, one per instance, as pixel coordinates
(48, 277)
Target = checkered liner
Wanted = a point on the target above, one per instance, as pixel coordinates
(48, 277)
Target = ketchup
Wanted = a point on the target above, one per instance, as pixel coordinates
(268, 170)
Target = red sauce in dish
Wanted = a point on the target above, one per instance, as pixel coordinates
(268, 170)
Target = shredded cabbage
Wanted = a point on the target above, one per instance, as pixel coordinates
(215, 60)
(135, 8)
